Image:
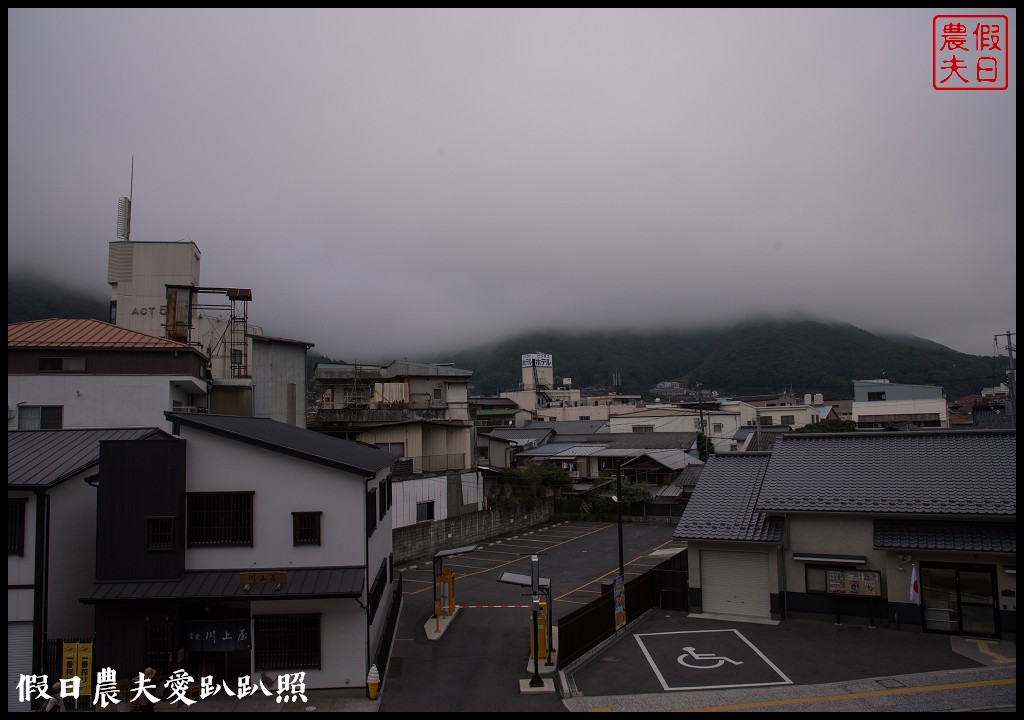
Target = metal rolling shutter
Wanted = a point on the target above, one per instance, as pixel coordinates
(19, 662)
(735, 583)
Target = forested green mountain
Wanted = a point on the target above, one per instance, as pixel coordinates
(766, 356)
(763, 356)
(32, 297)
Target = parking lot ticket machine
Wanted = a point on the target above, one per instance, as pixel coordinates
(444, 582)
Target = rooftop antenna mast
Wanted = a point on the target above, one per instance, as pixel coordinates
(124, 210)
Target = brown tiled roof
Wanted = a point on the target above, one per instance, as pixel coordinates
(84, 334)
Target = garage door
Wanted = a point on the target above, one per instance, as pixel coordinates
(735, 583)
(19, 662)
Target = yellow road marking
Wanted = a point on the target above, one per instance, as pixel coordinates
(983, 647)
(838, 698)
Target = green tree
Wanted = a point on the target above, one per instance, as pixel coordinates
(634, 494)
(829, 426)
(705, 447)
(522, 488)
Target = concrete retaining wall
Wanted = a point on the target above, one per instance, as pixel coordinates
(423, 540)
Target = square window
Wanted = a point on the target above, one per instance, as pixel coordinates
(286, 642)
(160, 533)
(40, 417)
(424, 511)
(219, 519)
(305, 528)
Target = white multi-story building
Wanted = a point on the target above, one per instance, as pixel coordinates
(879, 404)
(155, 289)
(82, 373)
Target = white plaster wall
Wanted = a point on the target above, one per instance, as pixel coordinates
(802, 414)
(275, 366)
(97, 401)
(21, 568)
(342, 640)
(839, 534)
(408, 492)
(282, 485)
(141, 294)
(902, 407)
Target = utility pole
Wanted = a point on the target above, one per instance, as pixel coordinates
(701, 451)
(536, 680)
(1011, 380)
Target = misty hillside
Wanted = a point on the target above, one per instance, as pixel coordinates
(752, 358)
(33, 297)
(766, 356)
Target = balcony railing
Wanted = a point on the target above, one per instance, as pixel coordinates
(420, 464)
(378, 415)
(191, 409)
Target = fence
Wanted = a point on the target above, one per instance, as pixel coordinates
(650, 512)
(386, 638)
(664, 586)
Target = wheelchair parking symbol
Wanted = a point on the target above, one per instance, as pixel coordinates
(680, 659)
(703, 661)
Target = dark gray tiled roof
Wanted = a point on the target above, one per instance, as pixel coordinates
(44, 458)
(643, 441)
(948, 472)
(722, 506)
(992, 417)
(303, 583)
(563, 450)
(290, 440)
(496, 412)
(514, 433)
(672, 458)
(569, 427)
(940, 535)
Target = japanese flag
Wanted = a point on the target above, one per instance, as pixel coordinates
(915, 588)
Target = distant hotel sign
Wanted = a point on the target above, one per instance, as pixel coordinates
(538, 359)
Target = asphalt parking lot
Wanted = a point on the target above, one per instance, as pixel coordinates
(665, 660)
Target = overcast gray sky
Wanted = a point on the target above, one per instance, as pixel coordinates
(393, 183)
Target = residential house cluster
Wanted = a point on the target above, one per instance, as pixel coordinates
(172, 499)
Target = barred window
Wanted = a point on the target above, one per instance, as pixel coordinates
(306, 528)
(16, 526)
(287, 642)
(158, 646)
(219, 519)
(160, 533)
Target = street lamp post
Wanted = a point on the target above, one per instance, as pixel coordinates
(620, 582)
